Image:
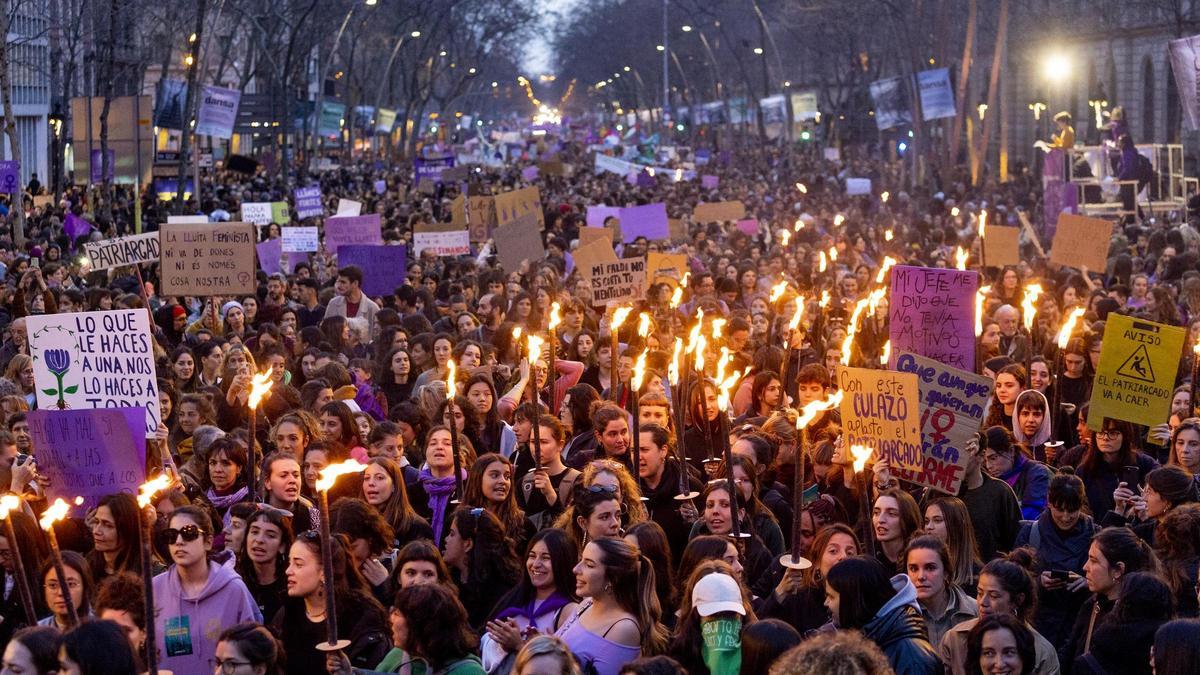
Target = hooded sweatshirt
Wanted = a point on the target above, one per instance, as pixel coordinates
(899, 631)
(187, 627)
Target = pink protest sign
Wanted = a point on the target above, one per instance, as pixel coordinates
(749, 226)
(932, 314)
(352, 230)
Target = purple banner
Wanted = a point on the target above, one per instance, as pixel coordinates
(351, 230)
(95, 167)
(649, 221)
(709, 182)
(384, 267)
(932, 314)
(10, 176)
(89, 453)
(1058, 194)
(308, 202)
(431, 168)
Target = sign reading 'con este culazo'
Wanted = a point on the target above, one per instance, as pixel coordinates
(880, 411)
(85, 360)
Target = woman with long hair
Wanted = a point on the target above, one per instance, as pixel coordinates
(384, 488)
(225, 483)
(618, 620)
(651, 540)
(183, 370)
(1113, 447)
(895, 518)
(338, 425)
(371, 542)
(194, 410)
(540, 603)
(702, 429)
(237, 370)
(493, 431)
(33, 651)
(262, 561)
(1000, 644)
(96, 648)
(617, 477)
(481, 559)
(943, 604)
(1185, 447)
(766, 526)
(799, 597)
(1177, 542)
(393, 374)
(1008, 455)
(574, 413)
(947, 519)
(717, 518)
(437, 478)
(1166, 488)
(116, 537)
(79, 584)
(714, 602)
(1010, 381)
(490, 485)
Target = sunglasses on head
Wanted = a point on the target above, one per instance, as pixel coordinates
(597, 489)
(189, 533)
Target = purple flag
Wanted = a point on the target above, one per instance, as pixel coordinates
(76, 227)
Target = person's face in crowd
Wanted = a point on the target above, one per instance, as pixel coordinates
(772, 395)
(760, 324)
(471, 357)
(833, 356)
(287, 323)
(1187, 449)
(429, 283)
(52, 590)
(344, 286)
(523, 308)
(1180, 404)
(1140, 287)
(457, 549)
(1156, 506)
(654, 414)
(377, 486)
(466, 324)
(20, 432)
(539, 566)
(331, 426)
(1039, 375)
(18, 660)
(590, 573)
(387, 447)
(614, 437)
(1064, 519)
(235, 533)
(926, 572)
(991, 597)
(885, 518)
(991, 336)
(251, 307)
(289, 438)
(189, 417)
(1094, 354)
(305, 576)
(222, 471)
(717, 512)
(106, 302)
(495, 288)
(439, 452)
(283, 480)
(573, 319)
(276, 290)
(833, 603)
(417, 573)
(308, 364)
(184, 366)
(105, 538)
(1109, 440)
(136, 636)
(441, 352)
(710, 402)
(236, 318)
(362, 423)
(212, 362)
(743, 482)
(996, 463)
(604, 355)
(497, 482)
(229, 659)
(407, 436)
(838, 548)
(315, 461)
(481, 398)
(998, 653)
(1030, 418)
(455, 417)
(850, 287)
(652, 457)
(1007, 389)
(706, 287)
(1102, 577)
(186, 553)
(1070, 296)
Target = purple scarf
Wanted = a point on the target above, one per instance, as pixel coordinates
(439, 491)
(222, 503)
(555, 602)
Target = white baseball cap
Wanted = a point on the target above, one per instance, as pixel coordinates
(717, 593)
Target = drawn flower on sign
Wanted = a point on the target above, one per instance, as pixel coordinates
(58, 362)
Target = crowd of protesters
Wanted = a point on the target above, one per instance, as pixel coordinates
(1068, 549)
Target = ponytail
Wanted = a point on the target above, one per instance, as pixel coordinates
(649, 610)
(631, 575)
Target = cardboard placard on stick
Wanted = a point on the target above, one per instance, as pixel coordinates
(513, 205)
(482, 215)
(618, 282)
(1081, 241)
(352, 230)
(932, 313)
(1003, 246)
(446, 239)
(89, 453)
(718, 212)
(880, 411)
(519, 240)
(589, 234)
(1136, 375)
(207, 259)
(131, 250)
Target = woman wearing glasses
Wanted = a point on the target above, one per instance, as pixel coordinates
(195, 597)
(246, 648)
(1112, 449)
(79, 582)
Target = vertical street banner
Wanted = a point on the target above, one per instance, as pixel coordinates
(1136, 375)
(880, 411)
(891, 103)
(86, 360)
(331, 117)
(804, 106)
(218, 111)
(171, 100)
(937, 96)
(1185, 65)
(932, 314)
(952, 407)
(385, 120)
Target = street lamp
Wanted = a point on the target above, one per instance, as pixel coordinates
(1038, 108)
(1056, 67)
(685, 28)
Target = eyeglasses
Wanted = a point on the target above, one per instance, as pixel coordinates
(189, 533)
(1108, 433)
(226, 666)
(71, 584)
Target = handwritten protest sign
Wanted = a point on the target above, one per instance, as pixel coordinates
(384, 267)
(718, 212)
(308, 202)
(597, 252)
(208, 259)
(617, 282)
(952, 407)
(932, 314)
(258, 213)
(512, 205)
(1136, 375)
(679, 230)
(666, 267)
(1003, 246)
(84, 360)
(482, 215)
(89, 453)
(353, 230)
(880, 411)
(138, 248)
(445, 239)
(300, 239)
(519, 240)
(1081, 241)
(589, 234)
(649, 221)
(348, 207)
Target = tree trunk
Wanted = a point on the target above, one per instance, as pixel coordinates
(193, 83)
(960, 100)
(993, 85)
(105, 214)
(10, 126)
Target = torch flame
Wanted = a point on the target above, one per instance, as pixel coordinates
(960, 258)
(982, 223)
(861, 454)
(833, 254)
(784, 237)
(330, 474)
(639, 370)
(798, 315)
(451, 383)
(516, 333)
(717, 326)
(838, 220)
(954, 212)
(885, 196)
(676, 357)
(777, 291)
(147, 490)
(888, 235)
(1028, 306)
(873, 300)
(260, 384)
(809, 412)
(722, 363)
(824, 263)
(684, 281)
(802, 188)
(694, 333)
(1195, 350)
(701, 343)
(886, 354)
(677, 296)
(888, 263)
(980, 298)
(555, 317)
(54, 513)
(643, 324)
(1064, 335)
(798, 226)
(8, 504)
(619, 316)
(851, 329)
(535, 347)
(724, 387)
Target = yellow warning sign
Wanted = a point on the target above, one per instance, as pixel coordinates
(1136, 373)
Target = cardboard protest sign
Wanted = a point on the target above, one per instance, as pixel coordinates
(131, 250)
(858, 186)
(43, 200)
(348, 207)
(666, 267)
(519, 240)
(258, 213)
(280, 215)
(512, 205)
(1003, 246)
(718, 212)
(308, 202)
(84, 360)
(186, 220)
(482, 215)
(595, 252)
(553, 167)
(300, 239)
(1136, 375)
(456, 174)
(952, 407)
(89, 453)
(617, 282)
(446, 239)
(649, 221)
(880, 411)
(384, 267)
(589, 234)
(340, 230)
(932, 314)
(677, 228)
(748, 226)
(208, 259)
(1081, 241)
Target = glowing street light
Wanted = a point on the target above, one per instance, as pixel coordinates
(1056, 67)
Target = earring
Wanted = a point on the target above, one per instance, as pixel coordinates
(608, 588)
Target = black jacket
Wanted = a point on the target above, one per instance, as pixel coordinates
(663, 508)
(901, 634)
(1119, 647)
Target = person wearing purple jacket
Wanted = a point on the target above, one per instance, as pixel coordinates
(195, 599)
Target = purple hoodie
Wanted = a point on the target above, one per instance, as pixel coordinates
(188, 627)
